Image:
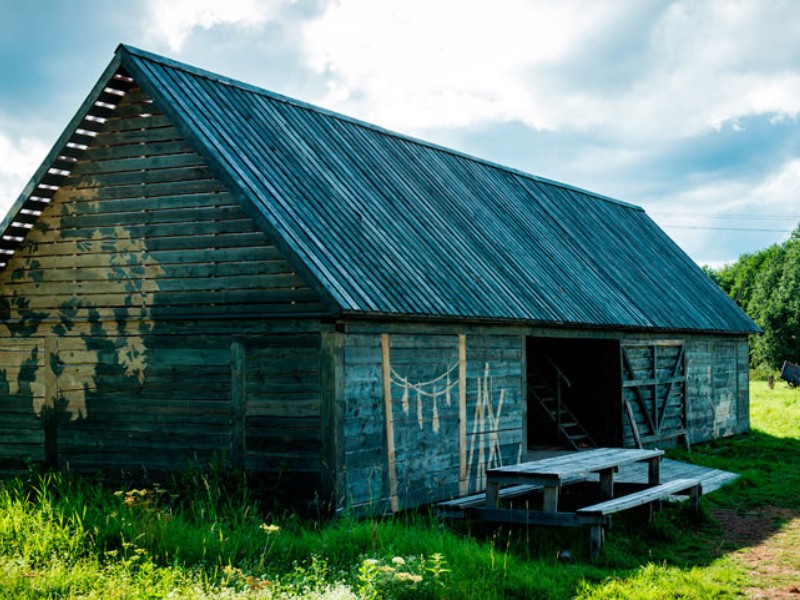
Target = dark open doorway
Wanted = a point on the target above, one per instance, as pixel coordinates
(582, 376)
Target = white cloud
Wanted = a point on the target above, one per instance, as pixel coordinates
(175, 20)
(21, 157)
(717, 221)
(781, 189)
(454, 63)
(421, 64)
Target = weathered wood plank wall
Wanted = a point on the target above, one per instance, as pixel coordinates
(283, 431)
(426, 415)
(717, 387)
(22, 402)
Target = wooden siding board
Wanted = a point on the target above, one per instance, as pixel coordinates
(283, 404)
(22, 389)
(134, 150)
(133, 423)
(164, 228)
(426, 429)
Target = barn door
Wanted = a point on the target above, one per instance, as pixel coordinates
(653, 392)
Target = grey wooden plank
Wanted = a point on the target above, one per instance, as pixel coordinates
(642, 497)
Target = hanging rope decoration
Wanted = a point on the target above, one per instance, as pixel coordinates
(434, 389)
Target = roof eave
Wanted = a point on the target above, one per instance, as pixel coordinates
(57, 150)
(517, 322)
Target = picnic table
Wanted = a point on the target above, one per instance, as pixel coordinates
(550, 475)
(554, 472)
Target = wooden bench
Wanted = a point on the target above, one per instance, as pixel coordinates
(457, 508)
(598, 515)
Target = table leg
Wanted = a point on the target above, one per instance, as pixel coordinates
(550, 500)
(595, 541)
(607, 484)
(654, 471)
(492, 494)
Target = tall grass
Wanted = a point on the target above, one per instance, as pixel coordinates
(206, 535)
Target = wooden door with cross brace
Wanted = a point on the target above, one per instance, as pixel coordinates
(653, 392)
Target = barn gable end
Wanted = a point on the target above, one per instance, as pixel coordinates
(112, 349)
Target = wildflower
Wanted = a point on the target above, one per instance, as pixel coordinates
(268, 529)
(408, 577)
(371, 562)
(399, 561)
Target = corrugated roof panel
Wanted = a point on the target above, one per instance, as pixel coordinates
(391, 225)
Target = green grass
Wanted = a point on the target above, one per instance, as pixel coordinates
(207, 536)
(768, 458)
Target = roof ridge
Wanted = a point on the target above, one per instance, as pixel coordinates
(196, 71)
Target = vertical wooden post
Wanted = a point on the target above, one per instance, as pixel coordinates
(654, 471)
(463, 487)
(50, 402)
(238, 401)
(654, 417)
(524, 396)
(332, 417)
(550, 498)
(492, 494)
(694, 495)
(595, 540)
(386, 366)
(607, 483)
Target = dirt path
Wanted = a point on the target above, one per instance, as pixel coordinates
(769, 542)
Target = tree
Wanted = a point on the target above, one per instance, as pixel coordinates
(775, 306)
(766, 284)
(738, 279)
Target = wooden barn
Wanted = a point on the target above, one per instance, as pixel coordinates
(203, 270)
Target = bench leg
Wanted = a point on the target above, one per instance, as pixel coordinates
(550, 498)
(595, 540)
(652, 508)
(654, 471)
(492, 494)
(607, 484)
(694, 497)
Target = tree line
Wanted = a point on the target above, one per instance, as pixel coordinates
(766, 285)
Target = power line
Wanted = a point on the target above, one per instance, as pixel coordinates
(729, 216)
(670, 226)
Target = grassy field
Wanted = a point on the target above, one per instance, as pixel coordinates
(203, 536)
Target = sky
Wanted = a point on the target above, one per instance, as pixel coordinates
(688, 109)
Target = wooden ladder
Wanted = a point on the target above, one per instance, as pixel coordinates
(549, 399)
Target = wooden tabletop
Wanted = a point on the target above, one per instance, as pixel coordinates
(574, 464)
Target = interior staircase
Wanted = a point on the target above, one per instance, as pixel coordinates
(547, 393)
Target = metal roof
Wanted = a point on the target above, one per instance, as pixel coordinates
(384, 224)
